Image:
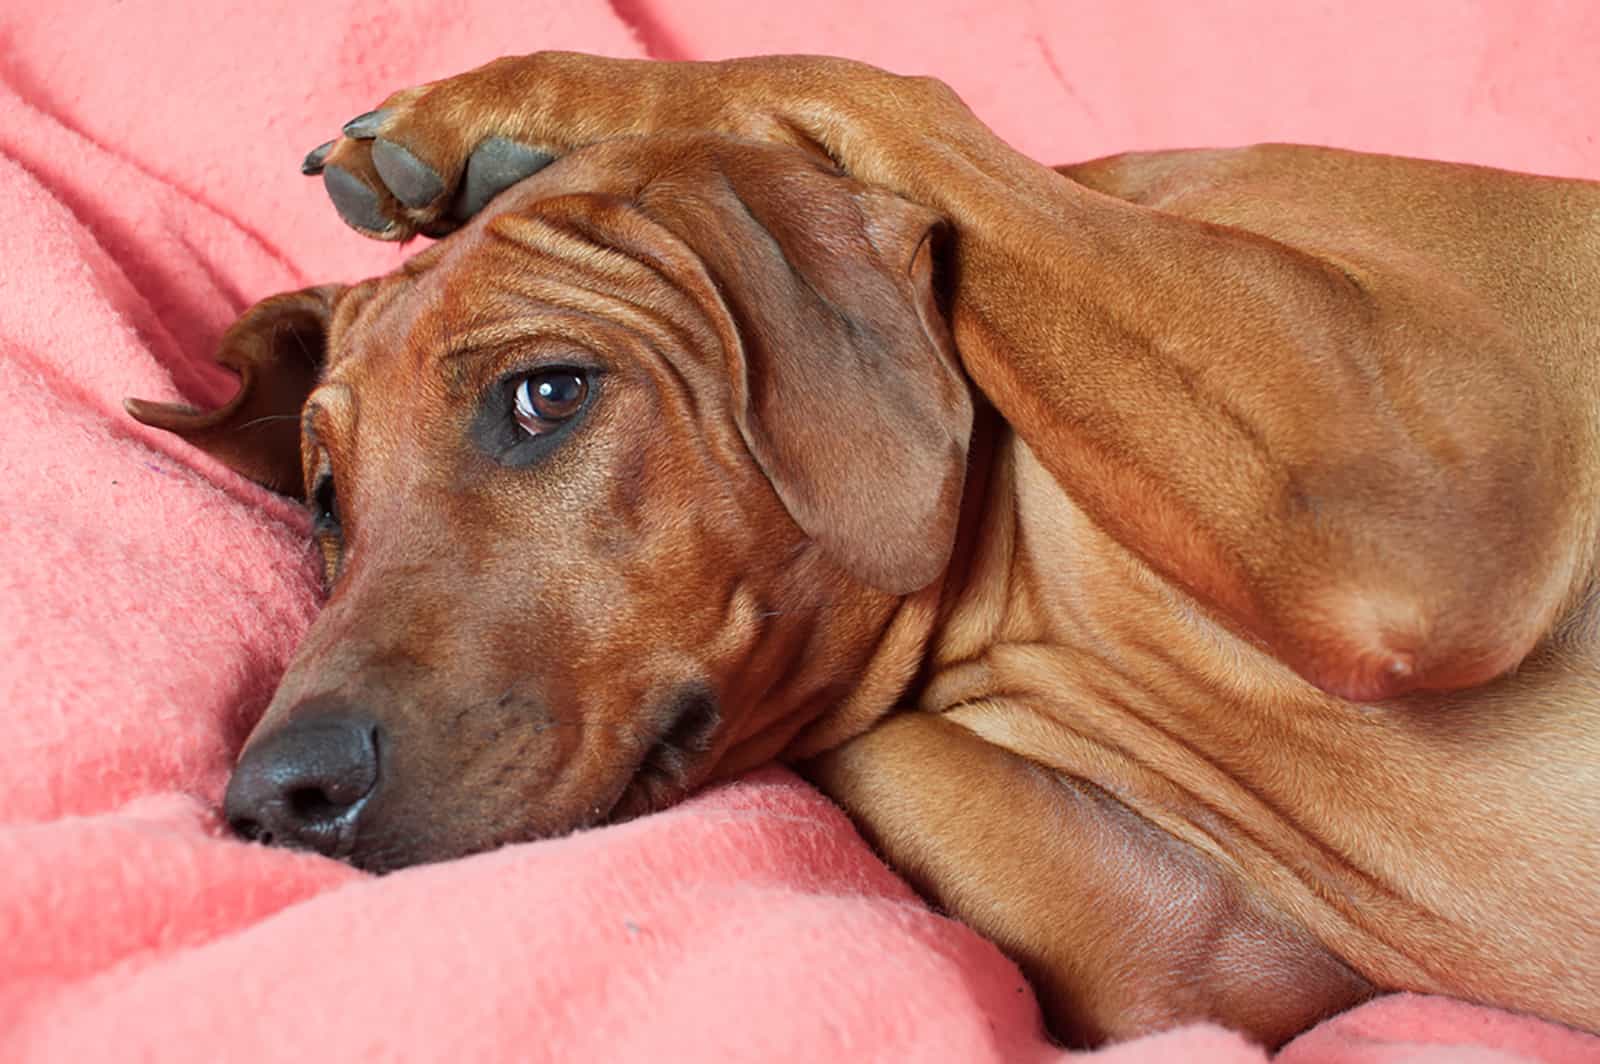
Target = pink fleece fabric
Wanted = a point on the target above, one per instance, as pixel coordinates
(149, 598)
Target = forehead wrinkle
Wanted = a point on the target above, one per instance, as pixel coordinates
(659, 322)
(546, 236)
(482, 337)
(636, 292)
(566, 314)
(590, 260)
(369, 319)
(570, 250)
(541, 294)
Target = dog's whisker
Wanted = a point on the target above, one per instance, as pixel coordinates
(264, 419)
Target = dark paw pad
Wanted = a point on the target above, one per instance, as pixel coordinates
(494, 166)
(412, 181)
(356, 203)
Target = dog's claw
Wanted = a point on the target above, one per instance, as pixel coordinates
(365, 127)
(413, 182)
(494, 166)
(356, 203)
(312, 164)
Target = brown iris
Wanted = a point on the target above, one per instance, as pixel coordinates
(545, 399)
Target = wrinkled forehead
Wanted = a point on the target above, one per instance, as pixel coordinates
(563, 252)
(552, 269)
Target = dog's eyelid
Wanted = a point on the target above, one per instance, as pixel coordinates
(544, 344)
(316, 423)
(524, 362)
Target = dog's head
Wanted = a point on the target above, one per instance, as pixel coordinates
(619, 490)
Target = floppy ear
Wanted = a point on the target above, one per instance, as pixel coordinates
(277, 347)
(846, 386)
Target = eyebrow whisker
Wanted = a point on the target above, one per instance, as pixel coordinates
(264, 419)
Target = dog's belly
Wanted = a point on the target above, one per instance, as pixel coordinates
(1442, 844)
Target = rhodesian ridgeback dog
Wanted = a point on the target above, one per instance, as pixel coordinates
(1181, 565)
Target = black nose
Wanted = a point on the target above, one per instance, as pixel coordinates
(306, 784)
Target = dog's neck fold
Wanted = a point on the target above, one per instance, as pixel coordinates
(895, 670)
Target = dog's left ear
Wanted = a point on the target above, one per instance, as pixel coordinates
(846, 385)
(277, 347)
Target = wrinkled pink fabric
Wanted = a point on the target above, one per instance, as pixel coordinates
(149, 599)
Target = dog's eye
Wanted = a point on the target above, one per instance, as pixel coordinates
(324, 506)
(326, 528)
(526, 414)
(545, 399)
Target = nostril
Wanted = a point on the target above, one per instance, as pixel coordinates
(311, 804)
(249, 829)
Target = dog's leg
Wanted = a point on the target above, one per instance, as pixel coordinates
(1121, 928)
(1367, 473)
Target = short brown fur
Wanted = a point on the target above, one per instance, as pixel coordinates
(1250, 668)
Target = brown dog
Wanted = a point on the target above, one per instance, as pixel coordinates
(1181, 565)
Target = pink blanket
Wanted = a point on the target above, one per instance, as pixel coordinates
(148, 599)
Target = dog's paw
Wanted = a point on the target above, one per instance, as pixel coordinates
(405, 169)
(430, 157)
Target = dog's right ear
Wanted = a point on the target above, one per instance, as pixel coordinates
(278, 348)
(845, 381)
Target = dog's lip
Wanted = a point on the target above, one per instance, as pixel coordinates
(618, 810)
(670, 762)
(680, 746)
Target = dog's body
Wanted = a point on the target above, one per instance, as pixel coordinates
(1429, 840)
(1240, 620)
